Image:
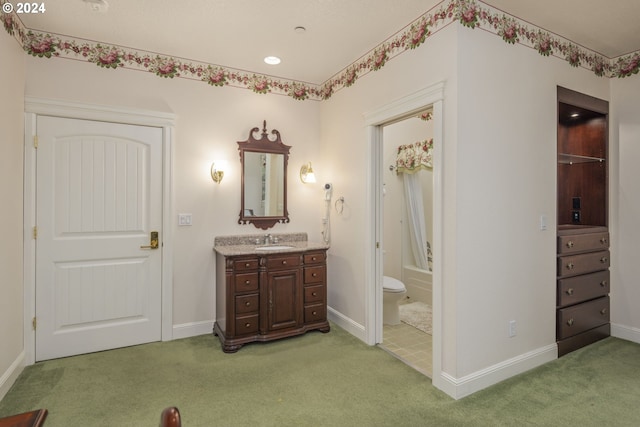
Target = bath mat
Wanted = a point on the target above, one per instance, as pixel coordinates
(418, 315)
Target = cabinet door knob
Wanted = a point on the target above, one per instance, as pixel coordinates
(284, 262)
(603, 283)
(247, 303)
(314, 313)
(604, 260)
(247, 265)
(570, 266)
(570, 291)
(247, 325)
(314, 274)
(570, 322)
(313, 258)
(314, 294)
(570, 244)
(247, 282)
(603, 311)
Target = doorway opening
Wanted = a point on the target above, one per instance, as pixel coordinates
(428, 99)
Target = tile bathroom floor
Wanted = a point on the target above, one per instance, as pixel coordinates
(410, 345)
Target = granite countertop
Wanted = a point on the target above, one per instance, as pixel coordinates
(246, 244)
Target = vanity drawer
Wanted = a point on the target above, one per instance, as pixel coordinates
(314, 293)
(576, 243)
(314, 257)
(246, 282)
(572, 265)
(245, 264)
(247, 324)
(582, 288)
(247, 303)
(283, 262)
(582, 317)
(315, 274)
(315, 313)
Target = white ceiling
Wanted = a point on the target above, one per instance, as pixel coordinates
(240, 33)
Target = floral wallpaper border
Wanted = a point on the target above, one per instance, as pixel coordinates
(469, 13)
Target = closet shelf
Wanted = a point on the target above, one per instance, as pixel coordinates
(569, 159)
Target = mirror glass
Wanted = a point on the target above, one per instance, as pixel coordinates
(263, 184)
(264, 179)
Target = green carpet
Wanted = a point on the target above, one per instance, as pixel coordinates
(318, 380)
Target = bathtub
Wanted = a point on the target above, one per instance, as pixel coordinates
(418, 283)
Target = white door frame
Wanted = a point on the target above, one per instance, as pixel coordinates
(375, 120)
(75, 110)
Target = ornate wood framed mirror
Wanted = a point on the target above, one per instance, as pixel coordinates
(263, 195)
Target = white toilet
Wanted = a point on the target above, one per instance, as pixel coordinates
(393, 291)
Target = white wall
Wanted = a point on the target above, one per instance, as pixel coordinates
(506, 180)
(346, 161)
(624, 152)
(210, 120)
(11, 155)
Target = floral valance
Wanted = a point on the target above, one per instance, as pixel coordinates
(414, 157)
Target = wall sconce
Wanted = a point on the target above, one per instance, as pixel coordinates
(216, 174)
(306, 174)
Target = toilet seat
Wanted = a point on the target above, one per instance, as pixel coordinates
(391, 285)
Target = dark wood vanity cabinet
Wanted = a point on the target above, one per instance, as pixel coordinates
(265, 297)
(583, 257)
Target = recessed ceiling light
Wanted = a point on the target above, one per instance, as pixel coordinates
(272, 60)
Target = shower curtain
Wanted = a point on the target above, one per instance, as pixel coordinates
(411, 159)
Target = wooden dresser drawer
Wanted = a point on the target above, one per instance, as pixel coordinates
(314, 274)
(283, 262)
(572, 265)
(314, 257)
(247, 303)
(314, 293)
(582, 288)
(315, 313)
(582, 317)
(247, 324)
(571, 244)
(245, 264)
(246, 282)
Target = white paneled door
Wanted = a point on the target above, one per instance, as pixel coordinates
(99, 198)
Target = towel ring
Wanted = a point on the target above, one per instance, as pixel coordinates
(340, 208)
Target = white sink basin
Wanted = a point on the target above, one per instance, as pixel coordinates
(273, 248)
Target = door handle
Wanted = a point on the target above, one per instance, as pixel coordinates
(153, 241)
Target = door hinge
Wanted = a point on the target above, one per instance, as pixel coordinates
(34, 323)
(377, 245)
(35, 141)
(35, 231)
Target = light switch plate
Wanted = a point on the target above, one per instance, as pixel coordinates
(184, 219)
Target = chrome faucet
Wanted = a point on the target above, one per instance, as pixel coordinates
(267, 239)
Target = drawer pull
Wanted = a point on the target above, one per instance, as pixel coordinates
(570, 244)
(247, 325)
(313, 258)
(314, 274)
(603, 240)
(570, 266)
(284, 262)
(247, 265)
(603, 311)
(247, 282)
(247, 304)
(314, 294)
(603, 283)
(604, 260)
(570, 291)
(315, 313)
(570, 322)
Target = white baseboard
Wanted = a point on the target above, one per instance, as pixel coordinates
(192, 329)
(625, 332)
(347, 324)
(469, 384)
(11, 375)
